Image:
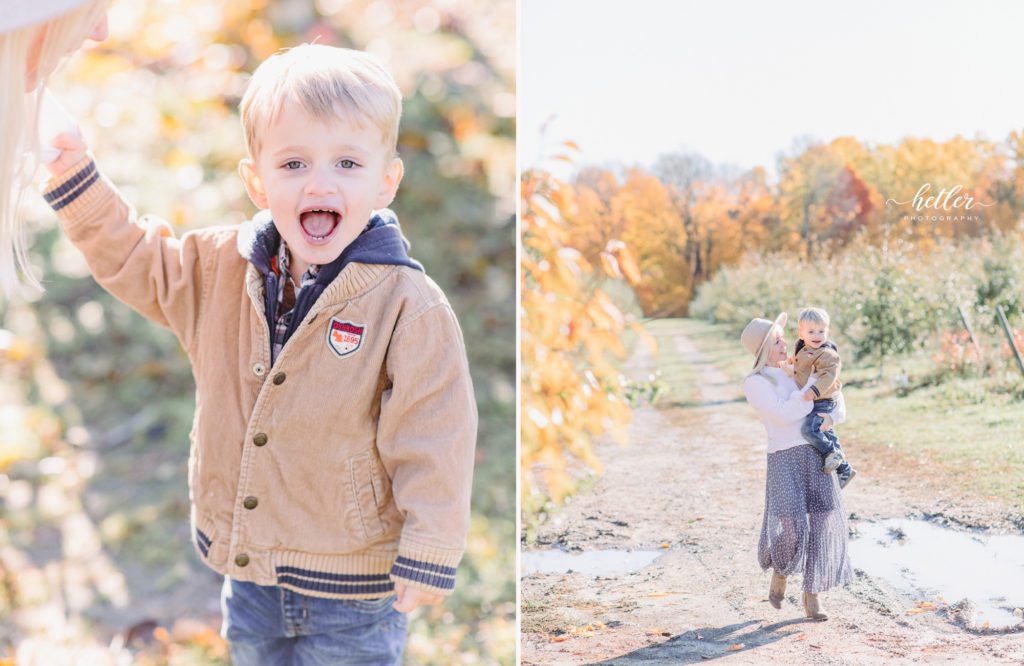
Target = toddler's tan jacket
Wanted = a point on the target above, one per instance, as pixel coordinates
(824, 362)
(345, 466)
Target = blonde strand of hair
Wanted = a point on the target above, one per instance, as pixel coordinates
(19, 141)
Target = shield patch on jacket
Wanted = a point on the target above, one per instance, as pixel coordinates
(345, 337)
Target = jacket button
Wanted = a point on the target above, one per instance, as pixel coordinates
(259, 369)
(250, 502)
(279, 378)
(242, 560)
(260, 439)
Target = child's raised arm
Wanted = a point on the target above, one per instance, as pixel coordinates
(138, 261)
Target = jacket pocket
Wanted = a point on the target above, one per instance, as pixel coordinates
(368, 493)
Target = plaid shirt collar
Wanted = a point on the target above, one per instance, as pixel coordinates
(284, 270)
(285, 306)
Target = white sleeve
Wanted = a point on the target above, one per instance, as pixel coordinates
(770, 405)
(839, 413)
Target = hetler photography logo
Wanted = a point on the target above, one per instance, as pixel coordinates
(949, 205)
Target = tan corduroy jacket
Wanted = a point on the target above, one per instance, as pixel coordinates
(346, 465)
(824, 362)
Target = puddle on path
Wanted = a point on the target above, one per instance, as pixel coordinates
(590, 562)
(926, 561)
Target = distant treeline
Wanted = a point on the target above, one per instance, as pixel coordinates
(685, 217)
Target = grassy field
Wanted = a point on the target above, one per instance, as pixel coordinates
(969, 429)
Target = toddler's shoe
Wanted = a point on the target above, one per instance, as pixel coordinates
(846, 478)
(833, 460)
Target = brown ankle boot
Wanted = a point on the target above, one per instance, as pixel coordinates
(777, 590)
(813, 607)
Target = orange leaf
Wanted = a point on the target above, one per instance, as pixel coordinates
(664, 545)
(658, 594)
(734, 648)
(801, 637)
(559, 639)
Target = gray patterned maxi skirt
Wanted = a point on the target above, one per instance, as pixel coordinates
(804, 527)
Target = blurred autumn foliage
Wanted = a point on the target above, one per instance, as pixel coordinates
(571, 391)
(686, 218)
(96, 403)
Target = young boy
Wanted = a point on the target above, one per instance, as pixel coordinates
(332, 448)
(815, 353)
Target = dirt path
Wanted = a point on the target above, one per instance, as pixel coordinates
(693, 478)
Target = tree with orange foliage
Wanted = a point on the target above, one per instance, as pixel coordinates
(652, 227)
(592, 222)
(571, 391)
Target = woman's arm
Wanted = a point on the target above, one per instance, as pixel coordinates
(839, 413)
(770, 405)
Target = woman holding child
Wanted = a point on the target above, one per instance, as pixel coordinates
(804, 526)
(35, 35)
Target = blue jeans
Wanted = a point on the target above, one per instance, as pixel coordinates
(272, 626)
(825, 442)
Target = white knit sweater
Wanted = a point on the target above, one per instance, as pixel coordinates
(782, 408)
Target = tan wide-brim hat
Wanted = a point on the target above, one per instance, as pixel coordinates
(756, 333)
(17, 14)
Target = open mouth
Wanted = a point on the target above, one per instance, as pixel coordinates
(319, 224)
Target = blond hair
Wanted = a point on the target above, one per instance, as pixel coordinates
(19, 114)
(761, 360)
(813, 316)
(326, 82)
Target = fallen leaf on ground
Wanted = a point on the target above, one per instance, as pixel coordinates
(801, 637)
(559, 639)
(734, 648)
(587, 629)
(664, 545)
(659, 594)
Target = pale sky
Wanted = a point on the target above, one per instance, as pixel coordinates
(739, 80)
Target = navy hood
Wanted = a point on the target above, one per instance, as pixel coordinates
(381, 242)
(800, 345)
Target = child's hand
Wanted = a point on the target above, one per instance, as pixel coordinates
(72, 149)
(808, 395)
(411, 598)
(826, 422)
(787, 367)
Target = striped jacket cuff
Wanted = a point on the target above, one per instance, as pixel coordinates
(76, 189)
(429, 569)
